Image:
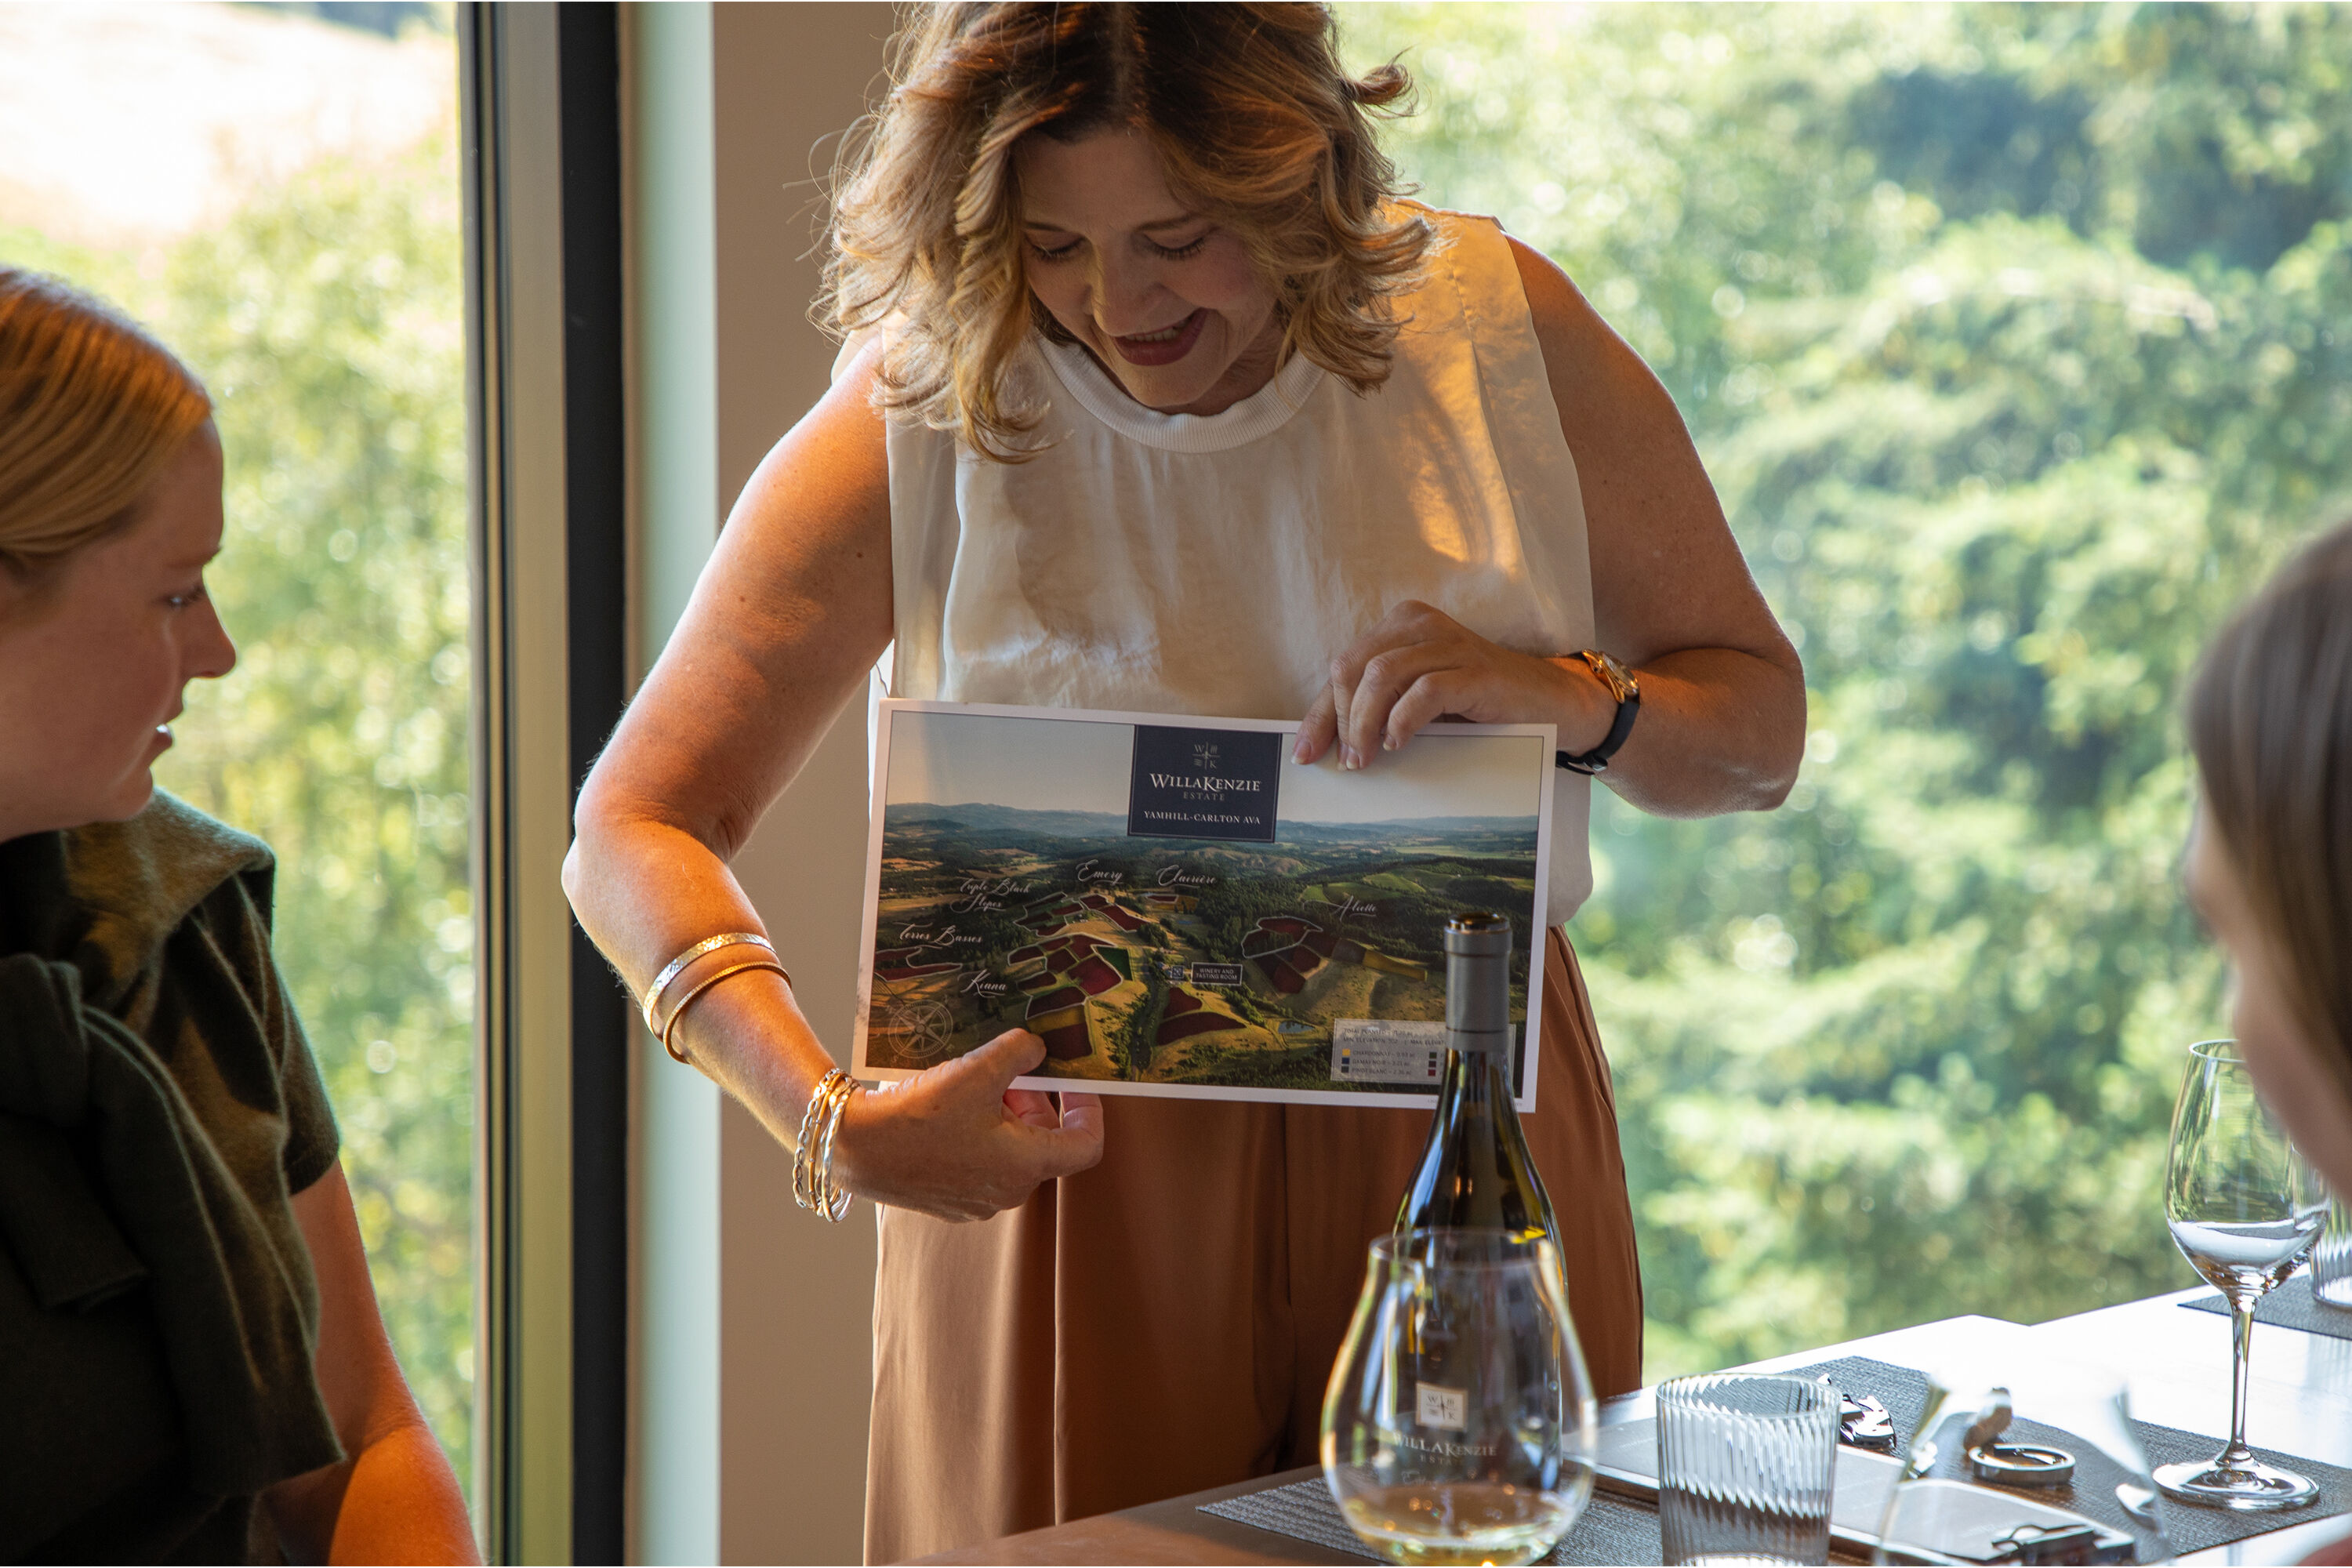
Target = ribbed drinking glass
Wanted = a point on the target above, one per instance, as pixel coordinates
(1745, 1468)
(2331, 1258)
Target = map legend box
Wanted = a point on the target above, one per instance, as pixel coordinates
(1388, 1050)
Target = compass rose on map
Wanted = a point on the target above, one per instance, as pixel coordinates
(919, 1032)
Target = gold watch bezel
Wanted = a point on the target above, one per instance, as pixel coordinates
(1622, 682)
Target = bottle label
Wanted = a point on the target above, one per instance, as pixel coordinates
(1388, 1050)
(1446, 1409)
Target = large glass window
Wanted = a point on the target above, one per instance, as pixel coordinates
(276, 192)
(2015, 340)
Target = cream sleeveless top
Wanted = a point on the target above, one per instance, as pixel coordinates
(1214, 564)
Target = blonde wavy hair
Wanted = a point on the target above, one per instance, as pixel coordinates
(1257, 124)
(91, 408)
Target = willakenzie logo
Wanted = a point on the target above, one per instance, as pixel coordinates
(1203, 783)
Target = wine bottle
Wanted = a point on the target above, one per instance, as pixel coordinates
(1477, 1170)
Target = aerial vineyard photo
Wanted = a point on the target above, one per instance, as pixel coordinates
(1303, 962)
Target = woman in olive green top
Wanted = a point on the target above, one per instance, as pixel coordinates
(192, 1364)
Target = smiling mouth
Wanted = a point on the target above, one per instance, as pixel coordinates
(1164, 346)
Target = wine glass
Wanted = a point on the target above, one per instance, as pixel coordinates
(1459, 1426)
(2244, 1207)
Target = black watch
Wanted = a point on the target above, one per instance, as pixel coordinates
(1624, 686)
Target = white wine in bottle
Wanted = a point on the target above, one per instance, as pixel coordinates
(1476, 1171)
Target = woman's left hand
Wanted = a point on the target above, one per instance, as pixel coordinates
(1420, 665)
(1722, 723)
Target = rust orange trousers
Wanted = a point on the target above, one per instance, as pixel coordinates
(1166, 1321)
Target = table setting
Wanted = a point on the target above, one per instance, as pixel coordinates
(1623, 1523)
(1459, 1426)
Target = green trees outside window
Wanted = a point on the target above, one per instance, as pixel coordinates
(2015, 340)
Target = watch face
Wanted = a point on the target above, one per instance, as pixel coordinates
(1621, 679)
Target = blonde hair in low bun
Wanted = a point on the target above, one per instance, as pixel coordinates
(91, 408)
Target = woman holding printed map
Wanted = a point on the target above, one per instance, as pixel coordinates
(1159, 397)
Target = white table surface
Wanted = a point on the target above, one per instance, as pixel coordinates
(2177, 1365)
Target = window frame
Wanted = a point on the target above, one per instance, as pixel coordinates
(539, 100)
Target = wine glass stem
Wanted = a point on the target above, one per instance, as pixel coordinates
(2242, 1345)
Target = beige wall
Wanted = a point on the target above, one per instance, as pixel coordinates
(796, 1298)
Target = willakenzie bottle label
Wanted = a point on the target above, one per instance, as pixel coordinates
(1203, 783)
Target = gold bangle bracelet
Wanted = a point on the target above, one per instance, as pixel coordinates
(820, 1179)
(677, 966)
(832, 1203)
(670, 1027)
(811, 1167)
(804, 1152)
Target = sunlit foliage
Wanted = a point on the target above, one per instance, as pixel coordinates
(2013, 338)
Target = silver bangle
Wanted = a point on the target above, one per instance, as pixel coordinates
(813, 1187)
(804, 1154)
(833, 1202)
(675, 966)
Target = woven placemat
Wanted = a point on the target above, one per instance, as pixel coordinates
(1611, 1530)
(2093, 1495)
(2291, 1306)
(1622, 1530)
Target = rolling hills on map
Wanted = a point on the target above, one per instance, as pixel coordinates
(1174, 961)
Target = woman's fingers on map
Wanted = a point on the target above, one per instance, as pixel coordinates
(1077, 1142)
(1391, 676)
(1316, 730)
(1033, 1107)
(1434, 695)
(1413, 644)
(1007, 1057)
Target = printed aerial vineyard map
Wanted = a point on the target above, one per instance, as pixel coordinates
(1177, 906)
(1158, 960)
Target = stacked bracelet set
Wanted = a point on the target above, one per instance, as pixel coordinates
(812, 1185)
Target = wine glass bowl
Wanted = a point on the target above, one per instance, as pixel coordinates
(1459, 1426)
(2254, 1257)
(2244, 1207)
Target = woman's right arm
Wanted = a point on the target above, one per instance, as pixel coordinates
(792, 611)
